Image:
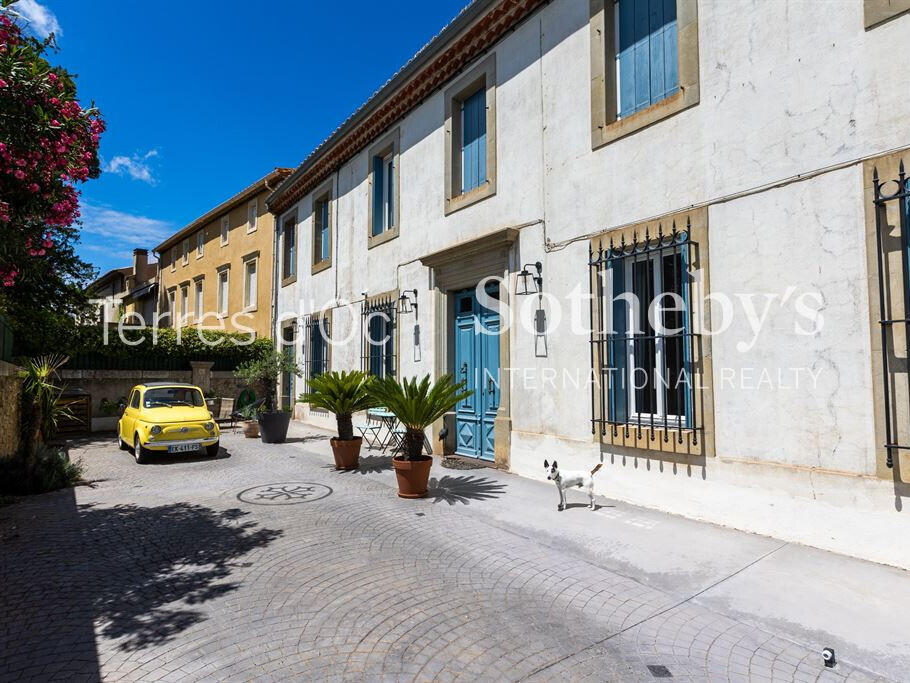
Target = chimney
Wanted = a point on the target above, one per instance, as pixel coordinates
(140, 263)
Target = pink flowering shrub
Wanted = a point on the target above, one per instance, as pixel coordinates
(48, 143)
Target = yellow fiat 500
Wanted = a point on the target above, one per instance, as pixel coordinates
(167, 417)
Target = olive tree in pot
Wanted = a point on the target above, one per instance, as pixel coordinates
(342, 393)
(264, 371)
(417, 406)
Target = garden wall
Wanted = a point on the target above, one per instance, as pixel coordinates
(10, 386)
(116, 384)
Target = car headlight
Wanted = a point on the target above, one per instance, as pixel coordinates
(209, 426)
(156, 429)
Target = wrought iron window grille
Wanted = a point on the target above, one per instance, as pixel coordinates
(316, 335)
(378, 320)
(666, 401)
(892, 193)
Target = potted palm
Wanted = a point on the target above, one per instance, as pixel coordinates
(416, 405)
(264, 372)
(342, 393)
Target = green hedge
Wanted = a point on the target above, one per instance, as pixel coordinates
(158, 350)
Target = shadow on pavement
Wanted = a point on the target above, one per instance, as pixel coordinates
(463, 489)
(134, 574)
(175, 458)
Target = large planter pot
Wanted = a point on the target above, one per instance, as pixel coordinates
(251, 429)
(273, 427)
(346, 452)
(412, 476)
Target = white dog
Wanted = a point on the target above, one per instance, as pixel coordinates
(567, 480)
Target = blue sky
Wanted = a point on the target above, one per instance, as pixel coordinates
(203, 97)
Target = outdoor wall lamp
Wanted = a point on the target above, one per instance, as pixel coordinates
(405, 304)
(525, 275)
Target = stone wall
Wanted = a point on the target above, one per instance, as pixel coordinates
(116, 384)
(10, 385)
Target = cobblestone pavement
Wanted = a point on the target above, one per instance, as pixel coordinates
(266, 564)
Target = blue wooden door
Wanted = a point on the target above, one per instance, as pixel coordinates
(477, 363)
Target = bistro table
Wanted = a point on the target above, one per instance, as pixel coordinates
(389, 421)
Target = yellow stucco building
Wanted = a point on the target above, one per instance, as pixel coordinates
(217, 271)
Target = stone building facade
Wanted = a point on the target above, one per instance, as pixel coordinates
(563, 154)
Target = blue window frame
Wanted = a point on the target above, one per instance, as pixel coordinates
(474, 140)
(378, 322)
(646, 54)
(289, 237)
(383, 193)
(318, 347)
(321, 238)
(643, 344)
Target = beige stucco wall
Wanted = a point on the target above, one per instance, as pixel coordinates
(241, 245)
(10, 384)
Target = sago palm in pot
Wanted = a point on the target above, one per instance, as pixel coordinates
(416, 405)
(342, 393)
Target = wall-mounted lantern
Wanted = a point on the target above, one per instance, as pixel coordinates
(526, 277)
(406, 304)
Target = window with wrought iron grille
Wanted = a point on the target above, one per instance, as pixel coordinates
(642, 338)
(378, 320)
(891, 198)
(317, 331)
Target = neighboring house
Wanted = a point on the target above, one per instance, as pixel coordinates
(142, 288)
(217, 271)
(578, 134)
(112, 288)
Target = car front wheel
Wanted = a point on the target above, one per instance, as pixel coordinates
(141, 454)
(212, 451)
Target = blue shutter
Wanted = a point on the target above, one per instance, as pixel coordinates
(481, 112)
(376, 334)
(646, 52)
(687, 341)
(474, 141)
(626, 62)
(390, 181)
(292, 251)
(378, 185)
(618, 351)
(324, 209)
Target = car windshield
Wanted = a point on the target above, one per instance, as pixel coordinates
(172, 396)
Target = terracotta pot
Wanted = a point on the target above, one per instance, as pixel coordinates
(347, 453)
(412, 476)
(251, 429)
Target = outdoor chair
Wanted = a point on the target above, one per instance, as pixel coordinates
(369, 430)
(226, 412)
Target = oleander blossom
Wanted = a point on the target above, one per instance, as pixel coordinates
(52, 147)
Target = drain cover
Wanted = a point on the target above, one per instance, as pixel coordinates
(659, 671)
(288, 493)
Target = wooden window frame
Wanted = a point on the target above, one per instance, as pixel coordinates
(391, 144)
(324, 194)
(606, 127)
(483, 75)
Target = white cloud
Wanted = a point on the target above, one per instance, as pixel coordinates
(123, 229)
(136, 166)
(40, 19)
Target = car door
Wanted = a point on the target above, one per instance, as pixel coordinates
(128, 421)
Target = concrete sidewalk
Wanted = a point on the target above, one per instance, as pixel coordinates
(813, 597)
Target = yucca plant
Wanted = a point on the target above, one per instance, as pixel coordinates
(341, 393)
(39, 387)
(418, 405)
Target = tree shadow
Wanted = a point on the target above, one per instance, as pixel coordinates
(463, 489)
(371, 464)
(135, 575)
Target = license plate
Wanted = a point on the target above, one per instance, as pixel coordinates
(183, 447)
